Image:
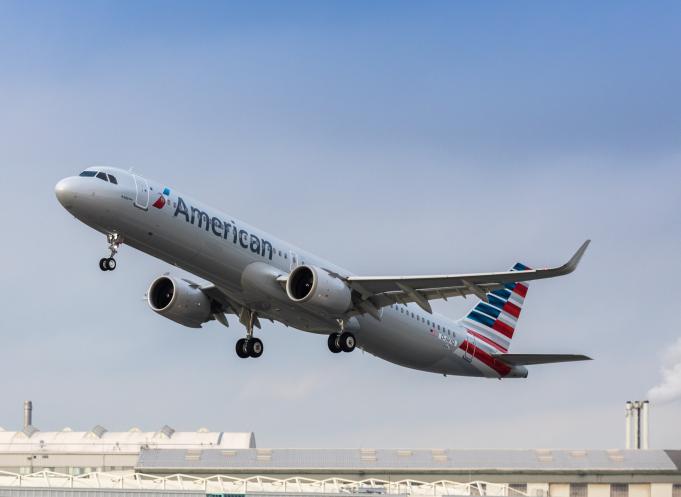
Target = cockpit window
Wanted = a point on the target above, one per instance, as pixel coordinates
(102, 176)
(112, 179)
(88, 174)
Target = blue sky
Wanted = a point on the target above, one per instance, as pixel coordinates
(389, 137)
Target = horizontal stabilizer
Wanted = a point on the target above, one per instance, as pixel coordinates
(531, 359)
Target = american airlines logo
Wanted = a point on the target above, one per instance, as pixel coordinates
(162, 199)
(223, 229)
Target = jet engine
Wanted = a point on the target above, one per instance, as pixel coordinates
(317, 288)
(180, 301)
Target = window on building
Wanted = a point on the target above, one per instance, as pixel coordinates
(676, 490)
(578, 489)
(619, 490)
(517, 489)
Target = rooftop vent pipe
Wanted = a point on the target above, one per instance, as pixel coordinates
(636, 419)
(28, 414)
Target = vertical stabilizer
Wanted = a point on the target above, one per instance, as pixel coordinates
(493, 323)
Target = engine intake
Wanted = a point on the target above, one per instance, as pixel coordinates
(179, 301)
(315, 287)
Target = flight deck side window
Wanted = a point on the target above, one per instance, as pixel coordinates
(102, 176)
(112, 179)
(88, 174)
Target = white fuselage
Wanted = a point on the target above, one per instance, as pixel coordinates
(219, 248)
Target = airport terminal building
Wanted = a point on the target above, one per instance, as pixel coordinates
(167, 462)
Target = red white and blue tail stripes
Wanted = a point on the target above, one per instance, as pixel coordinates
(493, 323)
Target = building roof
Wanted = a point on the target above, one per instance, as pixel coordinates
(436, 460)
(100, 440)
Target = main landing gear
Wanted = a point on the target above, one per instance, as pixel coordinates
(109, 263)
(249, 346)
(343, 341)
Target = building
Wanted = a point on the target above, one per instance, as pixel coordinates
(100, 450)
(171, 463)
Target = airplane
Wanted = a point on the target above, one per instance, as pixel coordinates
(255, 275)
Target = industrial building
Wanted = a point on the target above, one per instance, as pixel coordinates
(166, 462)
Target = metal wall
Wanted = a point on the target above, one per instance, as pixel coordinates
(80, 492)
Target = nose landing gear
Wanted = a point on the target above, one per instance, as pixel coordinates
(109, 263)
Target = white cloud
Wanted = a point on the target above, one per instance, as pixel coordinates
(669, 389)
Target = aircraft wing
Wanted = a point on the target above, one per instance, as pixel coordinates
(381, 291)
(531, 359)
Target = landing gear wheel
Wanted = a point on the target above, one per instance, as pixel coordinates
(347, 342)
(102, 264)
(255, 347)
(332, 342)
(241, 348)
(110, 264)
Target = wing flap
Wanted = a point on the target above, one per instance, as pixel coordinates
(533, 359)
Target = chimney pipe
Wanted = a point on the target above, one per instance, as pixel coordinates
(28, 413)
(627, 424)
(637, 425)
(644, 425)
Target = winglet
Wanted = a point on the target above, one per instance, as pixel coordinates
(571, 265)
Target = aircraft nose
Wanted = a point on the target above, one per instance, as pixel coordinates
(65, 191)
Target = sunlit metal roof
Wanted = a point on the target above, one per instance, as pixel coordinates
(254, 460)
(99, 439)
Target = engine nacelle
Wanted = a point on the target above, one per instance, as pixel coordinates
(317, 288)
(179, 301)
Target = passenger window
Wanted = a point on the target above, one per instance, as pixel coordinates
(88, 174)
(102, 176)
(112, 179)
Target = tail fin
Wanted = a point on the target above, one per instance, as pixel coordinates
(493, 322)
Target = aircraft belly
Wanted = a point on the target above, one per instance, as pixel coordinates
(396, 341)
